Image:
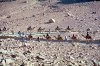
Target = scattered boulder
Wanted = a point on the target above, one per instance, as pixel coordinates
(33, 15)
(9, 16)
(95, 19)
(28, 51)
(93, 12)
(39, 58)
(22, 64)
(13, 56)
(88, 29)
(24, 53)
(94, 32)
(52, 21)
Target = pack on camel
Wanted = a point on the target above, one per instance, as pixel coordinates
(88, 37)
(59, 38)
(30, 37)
(47, 37)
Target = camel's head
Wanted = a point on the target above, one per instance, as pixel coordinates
(82, 35)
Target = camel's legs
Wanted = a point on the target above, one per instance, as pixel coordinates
(47, 41)
(88, 41)
(51, 42)
(74, 41)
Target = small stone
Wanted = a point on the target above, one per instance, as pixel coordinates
(33, 15)
(38, 58)
(28, 52)
(13, 56)
(9, 16)
(95, 19)
(24, 53)
(88, 29)
(69, 65)
(93, 12)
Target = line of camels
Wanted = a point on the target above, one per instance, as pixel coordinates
(74, 38)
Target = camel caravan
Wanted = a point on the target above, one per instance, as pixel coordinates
(75, 37)
(59, 34)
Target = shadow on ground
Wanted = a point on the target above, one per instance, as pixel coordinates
(75, 1)
(6, 0)
(69, 41)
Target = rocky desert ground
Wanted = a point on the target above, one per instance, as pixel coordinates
(18, 15)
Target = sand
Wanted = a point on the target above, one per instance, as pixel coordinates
(19, 15)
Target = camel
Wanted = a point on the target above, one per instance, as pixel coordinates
(47, 37)
(30, 37)
(57, 28)
(59, 38)
(4, 29)
(30, 28)
(19, 32)
(68, 28)
(74, 38)
(40, 29)
(38, 39)
(87, 37)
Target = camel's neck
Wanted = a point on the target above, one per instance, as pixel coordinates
(87, 35)
(44, 36)
(84, 36)
(55, 37)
